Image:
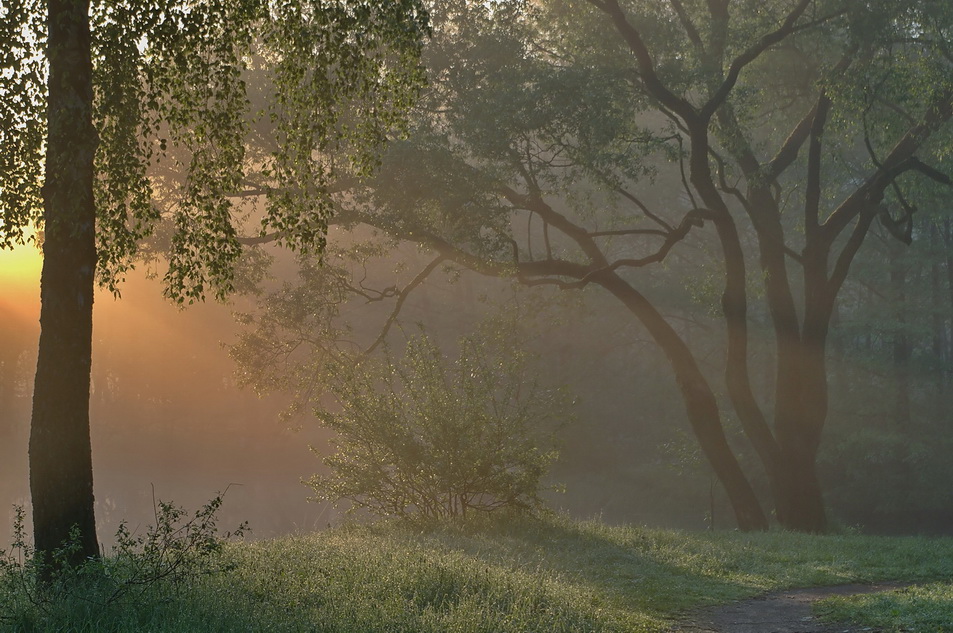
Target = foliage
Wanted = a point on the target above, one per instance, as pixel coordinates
(174, 85)
(513, 576)
(918, 608)
(422, 436)
(578, 144)
(167, 561)
(21, 83)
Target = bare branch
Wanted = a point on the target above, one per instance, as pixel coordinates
(401, 298)
(255, 240)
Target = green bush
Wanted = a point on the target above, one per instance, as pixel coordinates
(164, 563)
(432, 438)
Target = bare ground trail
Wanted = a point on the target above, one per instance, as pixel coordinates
(780, 612)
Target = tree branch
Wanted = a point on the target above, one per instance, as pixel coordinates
(812, 200)
(694, 218)
(650, 79)
(401, 298)
(900, 159)
(788, 27)
(687, 24)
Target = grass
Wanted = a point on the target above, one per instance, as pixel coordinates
(523, 575)
(924, 608)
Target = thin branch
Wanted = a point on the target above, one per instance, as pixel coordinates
(890, 105)
(255, 240)
(625, 193)
(788, 27)
(401, 298)
(694, 218)
(370, 294)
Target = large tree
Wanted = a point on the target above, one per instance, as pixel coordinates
(583, 144)
(129, 84)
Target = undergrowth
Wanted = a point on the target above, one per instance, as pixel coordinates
(122, 591)
(513, 575)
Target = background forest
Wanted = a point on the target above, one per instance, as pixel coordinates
(527, 169)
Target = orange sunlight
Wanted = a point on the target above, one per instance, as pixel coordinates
(20, 276)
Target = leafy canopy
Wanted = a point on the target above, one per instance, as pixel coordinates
(174, 83)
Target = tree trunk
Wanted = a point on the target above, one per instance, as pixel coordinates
(702, 408)
(937, 320)
(61, 476)
(802, 403)
(800, 502)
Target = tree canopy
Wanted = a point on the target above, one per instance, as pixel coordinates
(598, 143)
(96, 93)
(179, 85)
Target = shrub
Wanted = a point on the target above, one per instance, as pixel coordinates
(167, 560)
(433, 438)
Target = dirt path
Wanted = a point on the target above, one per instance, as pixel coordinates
(781, 612)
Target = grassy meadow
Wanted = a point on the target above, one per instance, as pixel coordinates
(521, 575)
(926, 608)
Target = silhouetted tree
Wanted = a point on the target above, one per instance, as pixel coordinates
(580, 144)
(126, 84)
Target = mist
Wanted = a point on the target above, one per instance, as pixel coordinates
(169, 421)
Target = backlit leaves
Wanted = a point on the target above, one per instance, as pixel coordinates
(22, 117)
(171, 88)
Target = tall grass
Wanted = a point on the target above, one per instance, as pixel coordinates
(512, 576)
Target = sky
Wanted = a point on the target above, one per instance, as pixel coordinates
(20, 275)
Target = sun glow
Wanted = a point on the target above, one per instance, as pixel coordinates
(20, 271)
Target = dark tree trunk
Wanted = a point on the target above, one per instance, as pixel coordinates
(802, 401)
(61, 476)
(799, 499)
(702, 408)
